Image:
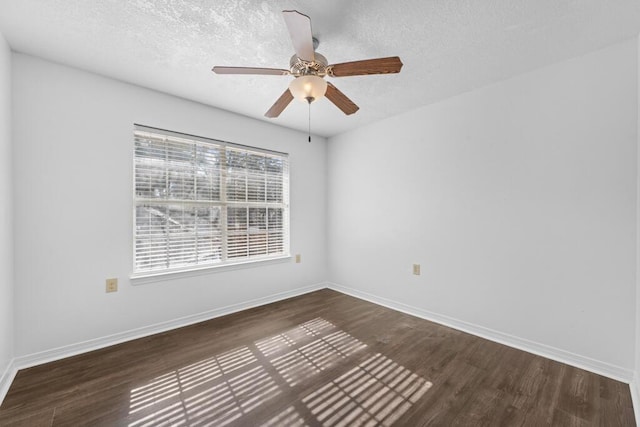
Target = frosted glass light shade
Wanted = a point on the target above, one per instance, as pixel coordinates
(308, 88)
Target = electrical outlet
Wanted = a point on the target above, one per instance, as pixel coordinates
(298, 259)
(112, 285)
(416, 269)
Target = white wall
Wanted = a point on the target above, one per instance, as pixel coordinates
(6, 214)
(518, 200)
(73, 207)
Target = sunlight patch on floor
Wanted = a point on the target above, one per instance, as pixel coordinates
(223, 388)
(309, 348)
(287, 418)
(377, 391)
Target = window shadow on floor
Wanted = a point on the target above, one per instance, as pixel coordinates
(226, 388)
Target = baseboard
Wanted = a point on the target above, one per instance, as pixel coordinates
(635, 397)
(559, 355)
(7, 378)
(39, 358)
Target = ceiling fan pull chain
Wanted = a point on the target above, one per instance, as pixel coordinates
(309, 121)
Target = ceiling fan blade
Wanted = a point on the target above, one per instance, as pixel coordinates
(279, 106)
(340, 100)
(299, 26)
(250, 70)
(391, 64)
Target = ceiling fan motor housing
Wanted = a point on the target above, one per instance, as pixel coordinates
(300, 67)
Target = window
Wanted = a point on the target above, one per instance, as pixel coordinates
(200, 202)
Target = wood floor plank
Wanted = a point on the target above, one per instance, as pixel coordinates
(27, 418)
(617, 405)
(323, 358)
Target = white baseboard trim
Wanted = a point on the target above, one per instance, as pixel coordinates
(7, 378)
(46, 356)
(635, 397)
(559, 355)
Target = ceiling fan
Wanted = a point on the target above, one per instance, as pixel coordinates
(309, 69)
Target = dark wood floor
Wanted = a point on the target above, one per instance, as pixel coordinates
(320, 359)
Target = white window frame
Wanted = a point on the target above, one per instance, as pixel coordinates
(223, 203)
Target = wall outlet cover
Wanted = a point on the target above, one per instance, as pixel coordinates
(112, 285)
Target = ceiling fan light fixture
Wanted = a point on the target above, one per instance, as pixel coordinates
(308, 88)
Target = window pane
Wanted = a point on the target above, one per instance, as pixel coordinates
(170, 236)
(209, 235)
(151, 240)
(257, 231)
(180, 171)
(274, 179)
(237, 228)
(236, 175)
(256, 173)
(276, 230)
(150, 168)
(207, 173)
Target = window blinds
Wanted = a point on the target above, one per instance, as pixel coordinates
(201, 202)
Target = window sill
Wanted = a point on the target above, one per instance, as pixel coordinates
(151, 277)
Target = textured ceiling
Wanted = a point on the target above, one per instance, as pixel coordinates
(447, 46)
